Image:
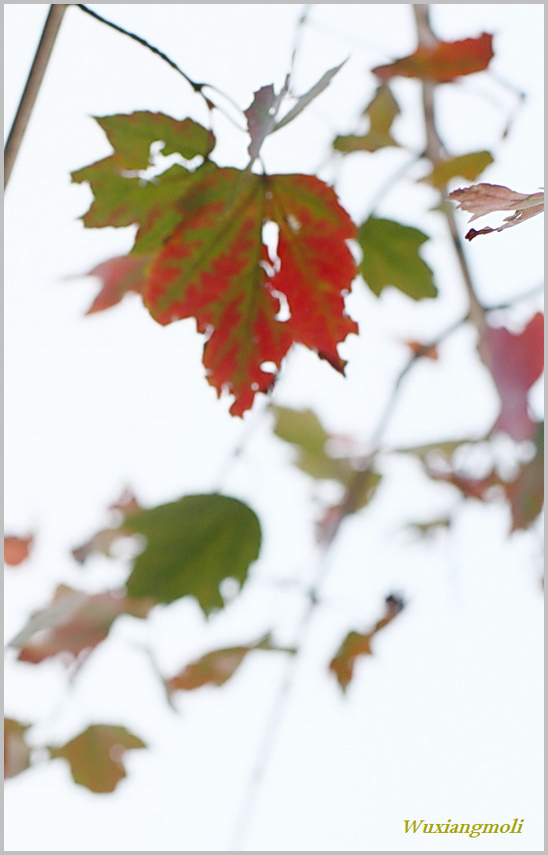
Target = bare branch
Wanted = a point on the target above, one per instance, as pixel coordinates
(32, 86)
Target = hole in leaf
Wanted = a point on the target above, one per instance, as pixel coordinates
(270, 236)
(229, 588)
(269, 367)
(116, 753)
(284, 312)
(293, 223)
(156, 148)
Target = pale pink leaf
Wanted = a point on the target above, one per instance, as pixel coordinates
(481, 199)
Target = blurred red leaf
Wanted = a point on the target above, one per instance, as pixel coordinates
(515, 361)
(217, 667)
(73, 622)
(472, 488)
(16, 549)
(16, 749)
(442, 62)
(102, 541)
(358, 644)
(430, 351)
(95, 756)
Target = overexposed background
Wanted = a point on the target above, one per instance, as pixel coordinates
(445, 720)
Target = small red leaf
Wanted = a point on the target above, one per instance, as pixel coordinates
(73, 622)
(472, 488)
(16, 549)
(443, 61)
(430, 351)
(102, 541)
(358, 644)
(515, 362)
(217, 667)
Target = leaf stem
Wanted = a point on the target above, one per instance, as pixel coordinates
(32, 86)
(197, 87)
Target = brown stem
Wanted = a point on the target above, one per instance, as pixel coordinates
(436, 153)
(32, 86)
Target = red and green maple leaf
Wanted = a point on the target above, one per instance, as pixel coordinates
(200, 239)
(442, 62)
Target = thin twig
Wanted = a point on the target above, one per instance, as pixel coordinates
(32, 86)
(197, 87)
(393, 179)
(303, 20)
(508, 304)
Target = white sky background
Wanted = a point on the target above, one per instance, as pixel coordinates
(445, 720)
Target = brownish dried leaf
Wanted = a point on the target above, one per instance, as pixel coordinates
(358, 644)
(481, 199)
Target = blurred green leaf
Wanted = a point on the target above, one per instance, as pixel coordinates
(526, 493)
(381, 112)
(95, 756)
(192, 545)
(303, 429)
(467, 166)
(391, 257)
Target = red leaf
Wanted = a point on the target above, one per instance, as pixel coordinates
(102, 541)
(200, 235)
(217, 667)
(358, 644)
(73, 622)
(472, 488)
(443, 61)
(430, 351)
(515, 362)
(216, 268)
(119, 276)
(16, 549)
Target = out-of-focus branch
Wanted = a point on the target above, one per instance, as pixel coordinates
(32, 86)
(436, 153)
